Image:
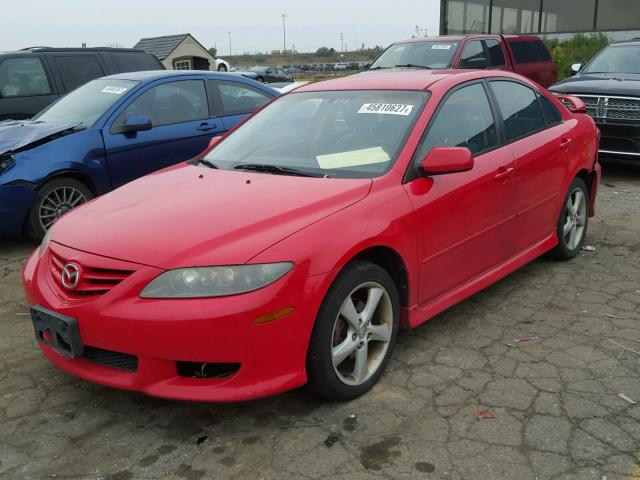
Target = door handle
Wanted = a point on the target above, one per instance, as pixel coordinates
(565, 142)
(504, 173)
(204, 127)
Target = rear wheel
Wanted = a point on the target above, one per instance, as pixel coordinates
(573, 221)
(260, 79)
(354, 334)
(57, 197)
(222, 67)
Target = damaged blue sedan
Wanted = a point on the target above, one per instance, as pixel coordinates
(108, 132)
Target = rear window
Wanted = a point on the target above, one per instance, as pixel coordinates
(529, 51)
(134, 61)
(23, 77)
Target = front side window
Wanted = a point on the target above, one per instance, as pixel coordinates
(519, 107)
(616, 59)
(23, 77)
(473, 55)
(464, 120)
(421, 54)
(337, 133)
(170, 103)
(237, 98)
(85, 105)
(77, 70)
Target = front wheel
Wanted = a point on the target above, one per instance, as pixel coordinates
(573, 222)
(57, 197)
(354, 333)
(260, 79)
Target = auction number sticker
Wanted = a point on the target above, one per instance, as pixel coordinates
(440, 47)
(386, 108)
(116, 90)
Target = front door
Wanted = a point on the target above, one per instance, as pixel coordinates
(464, 221)
(182, 128)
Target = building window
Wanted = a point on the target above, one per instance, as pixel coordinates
(470, 16)
(618, 15)
(568, 15)
(182, 64)
(515, 16)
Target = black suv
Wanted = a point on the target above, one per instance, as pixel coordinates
(609, 84)
(33, 78)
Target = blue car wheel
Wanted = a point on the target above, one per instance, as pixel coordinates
(57, 197)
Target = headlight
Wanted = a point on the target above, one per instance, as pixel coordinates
(45, 241)
(5, 162)
(200, 282)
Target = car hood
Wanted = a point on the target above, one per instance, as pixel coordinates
(626, 84)
(196, 216)
(17, 134)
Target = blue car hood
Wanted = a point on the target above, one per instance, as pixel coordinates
(18, 134)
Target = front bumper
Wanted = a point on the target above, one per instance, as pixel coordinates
(160, 333)
(16, 201)
(619, 140)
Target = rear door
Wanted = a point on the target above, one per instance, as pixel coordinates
(75, 69)
(464, 220)
(26, 86)
(235, 100)
(183, 123)
(537, 140)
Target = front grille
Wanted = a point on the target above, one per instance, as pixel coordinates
(107, 358)
(93, 280)
(611, 107)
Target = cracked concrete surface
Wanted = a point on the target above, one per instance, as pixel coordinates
(558, 412)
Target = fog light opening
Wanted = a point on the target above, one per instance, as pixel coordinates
(206, 369)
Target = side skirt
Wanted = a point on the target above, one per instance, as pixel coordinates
(419, 314)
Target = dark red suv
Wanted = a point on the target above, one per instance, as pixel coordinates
(523, 54)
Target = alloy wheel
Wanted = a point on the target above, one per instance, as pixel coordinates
(362, 333)
(57, 202)
(575, 218)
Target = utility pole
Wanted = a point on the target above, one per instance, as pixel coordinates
(284, 34)
(229, 33)
(356, 44)
(342, 41)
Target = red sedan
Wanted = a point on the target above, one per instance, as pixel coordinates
(293, 250)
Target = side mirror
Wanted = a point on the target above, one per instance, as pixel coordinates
(574, 104)
(134, 123)
(575, 68)
(442, 160)
(214, 141)
(478, 63)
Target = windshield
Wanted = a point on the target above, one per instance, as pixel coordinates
(422, 54)
(337, 133)
(86, 104)
(616, 59)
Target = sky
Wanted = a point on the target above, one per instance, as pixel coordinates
(255, 25)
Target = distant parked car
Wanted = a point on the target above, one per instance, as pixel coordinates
(267, 74)
(523, 54)
(110, 131)
(608, 84)
(222, 65)
(32, 79)
(340, 67)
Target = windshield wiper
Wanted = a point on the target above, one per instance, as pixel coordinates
(266, 168)
(207, 162)
(412, 65)
(378, 68)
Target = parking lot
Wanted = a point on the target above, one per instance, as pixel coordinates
(565, 404)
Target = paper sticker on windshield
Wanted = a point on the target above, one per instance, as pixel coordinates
(440, 47)
(116, 90)
(353, 158)
(386, 108)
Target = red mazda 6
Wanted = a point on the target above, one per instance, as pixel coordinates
(293, 250)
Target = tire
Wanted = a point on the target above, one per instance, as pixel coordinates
(573, 221)
(56, 197)
(222, 67)
(334, 336)
(260, 79)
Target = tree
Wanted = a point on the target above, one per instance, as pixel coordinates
(419, 32)
(325, 52)
(214, 52)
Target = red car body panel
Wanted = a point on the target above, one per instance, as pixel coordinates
(450, 235)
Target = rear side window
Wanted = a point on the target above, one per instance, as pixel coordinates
(134, 61)
(237, 98)
(23, 77)
(529, 51)
(464, 120)
(473, 55)
(550, 113)
(77, 70)
(496, 55)
(519, 107)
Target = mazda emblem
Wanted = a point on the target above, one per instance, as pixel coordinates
(70, 276)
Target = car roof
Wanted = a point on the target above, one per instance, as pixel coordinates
(633, 42)
(72, 50)
(457, 38)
